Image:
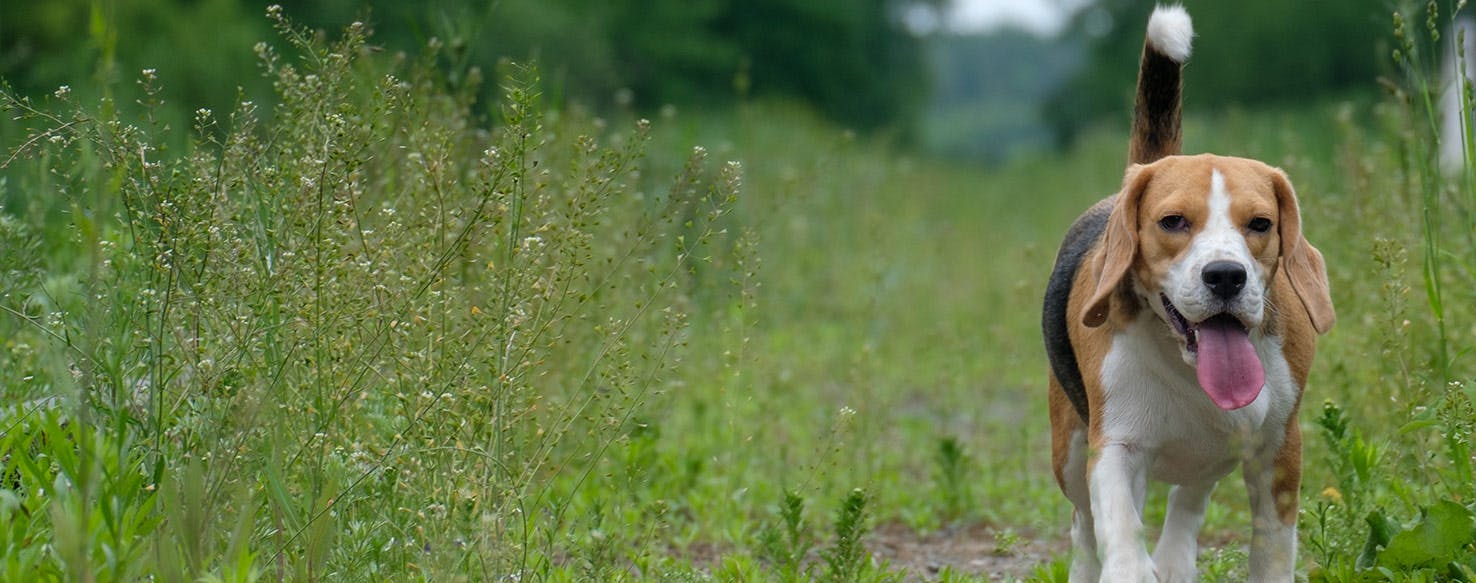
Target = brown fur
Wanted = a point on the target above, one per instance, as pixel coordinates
(1107, 281)
(1299, 342)
(1064, 422)
(1133, 249)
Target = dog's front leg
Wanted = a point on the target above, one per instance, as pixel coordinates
(1273, 499)
(1178, 545)
(1119, 480)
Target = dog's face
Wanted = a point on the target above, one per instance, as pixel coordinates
(1208, 246)
(1199, 240)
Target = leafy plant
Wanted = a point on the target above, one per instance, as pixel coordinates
(1435, 539)
(787, 543)
(370, 332)
(1420, 350)
(951, 477)
(1057, 571)
(846, 559)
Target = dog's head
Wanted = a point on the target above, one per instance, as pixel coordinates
(1200, 239)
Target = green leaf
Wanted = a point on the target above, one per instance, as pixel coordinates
(1380, 530)
(1418, 425)
(1442, 531)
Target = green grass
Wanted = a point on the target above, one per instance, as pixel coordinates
(375, 330)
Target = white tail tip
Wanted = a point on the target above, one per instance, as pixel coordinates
(1171, 32)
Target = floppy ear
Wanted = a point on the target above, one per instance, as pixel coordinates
(1302, 262)
(1119, 244)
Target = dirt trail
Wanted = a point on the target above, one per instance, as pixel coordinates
(974, 550)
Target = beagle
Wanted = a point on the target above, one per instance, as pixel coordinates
(1180, 321)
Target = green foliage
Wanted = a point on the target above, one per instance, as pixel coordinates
(1441, 532)
(1005, 541)
(1053, 572)
(847, 558)
(80, 488)
(374, 327)
(1417, 527)
(787, 544)
(97, 45)
(368, 335)
(952, 477)
(1225, 563)
(851, 60)
(1355, 461)
(1253, 54)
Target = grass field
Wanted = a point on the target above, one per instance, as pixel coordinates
(377, 331)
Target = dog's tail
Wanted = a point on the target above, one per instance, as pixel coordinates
(1156, 127)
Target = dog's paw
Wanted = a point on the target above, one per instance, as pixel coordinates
(1130, 570)
(1175, 567)
(1176, 574)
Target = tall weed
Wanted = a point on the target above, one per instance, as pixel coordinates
(1400, 509)
(360, 330)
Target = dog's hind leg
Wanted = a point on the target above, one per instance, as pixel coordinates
(1084, 563)
(1069, 456)
(1085, 568)
(1178, 545)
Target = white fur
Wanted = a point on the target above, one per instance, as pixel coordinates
(1178, 544)
(1171, 32)
(1157, 423)
(1119, 484)
(1219, 240)
(1273, 543)
(1084, 566)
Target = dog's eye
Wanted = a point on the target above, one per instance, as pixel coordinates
(1260, 224)
(1174, 223)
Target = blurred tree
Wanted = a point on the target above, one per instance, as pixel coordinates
(852, 59)
(1253, 52)
(201, 49)
(986, 103)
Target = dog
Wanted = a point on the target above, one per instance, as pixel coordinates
(1180, 321)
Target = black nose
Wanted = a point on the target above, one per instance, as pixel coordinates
(1225, 279)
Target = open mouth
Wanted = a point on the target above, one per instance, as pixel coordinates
(1190, 331)
(1181, 324)
(1228, 368)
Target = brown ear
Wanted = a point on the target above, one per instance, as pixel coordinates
(1302, 262)
(1119, 244)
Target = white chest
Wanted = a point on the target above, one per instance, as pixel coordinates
(1152, 401)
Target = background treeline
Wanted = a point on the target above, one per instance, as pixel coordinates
(1251, 54)
(855, 61)
(852, 59)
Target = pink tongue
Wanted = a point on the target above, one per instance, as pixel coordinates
(1229, 369)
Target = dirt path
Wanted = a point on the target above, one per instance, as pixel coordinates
(974, 550)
